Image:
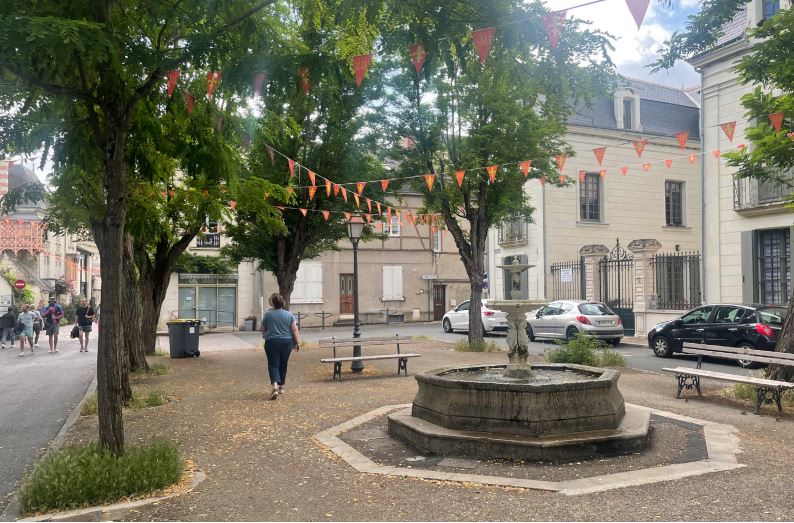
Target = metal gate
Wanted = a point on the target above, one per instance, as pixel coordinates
(567, 280)
(617, 284)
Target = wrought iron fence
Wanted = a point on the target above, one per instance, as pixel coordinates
(677, 277)
(617, 278)
(567, 280)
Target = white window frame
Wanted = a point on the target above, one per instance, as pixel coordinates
(392, 229)
(683, 202)
(308, 283)
(436, 239)
(393, 283)
(627, 94)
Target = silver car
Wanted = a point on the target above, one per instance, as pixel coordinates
(564, 319)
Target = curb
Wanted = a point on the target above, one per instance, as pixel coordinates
(11, 512)
(115, 510)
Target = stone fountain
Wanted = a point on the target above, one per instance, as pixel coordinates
(520, 411)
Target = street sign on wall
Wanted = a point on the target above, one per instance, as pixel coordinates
(5, 302)
(19, 284)
(566, 275)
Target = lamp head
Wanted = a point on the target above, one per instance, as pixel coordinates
(355, 227)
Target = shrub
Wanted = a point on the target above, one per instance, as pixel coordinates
(157, 369)
(476, 346)
(153, 399)
(585, 350)
(746, 392)
(85, 475)
(89, 407)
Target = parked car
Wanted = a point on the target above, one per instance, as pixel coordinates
(752, 327)
(458, 318)
(564, 319)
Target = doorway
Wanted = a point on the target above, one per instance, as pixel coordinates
(439, 301)
(346, 299)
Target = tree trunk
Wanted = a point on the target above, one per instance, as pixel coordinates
(784, 344)
(133, 315)
(285, 277)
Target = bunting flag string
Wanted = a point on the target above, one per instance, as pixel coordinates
(312, 190)
(691, 158)
(599, 154)
(360, 66)
(582, 176)
(492, 172)
(483, 39)
(459, 177)
(356, 198)
(560, 158)
(303, 74)
(525, 165)
(624, 170)
(777, 120)
(552, 22)
(344, 193)
(418, 55)
(646, 166)
(384, 184)
(639, 146)
(291, 164)
(173, 77)
(430, 180)
(272, 154)
(728, 128)
(668, 163)
(682, 138)
(213, 80)
(311, 176)
(190, 101)
(360, 187)
(326, 214)
(638, 9)
(336, 189)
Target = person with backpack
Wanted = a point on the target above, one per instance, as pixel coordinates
(52, 315)
(25, 328)
(7, 323)
(84, 318)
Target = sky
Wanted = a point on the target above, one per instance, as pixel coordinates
(634, 48)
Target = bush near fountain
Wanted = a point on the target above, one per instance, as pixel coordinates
(585, 350)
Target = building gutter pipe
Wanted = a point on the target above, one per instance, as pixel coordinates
(702, 197)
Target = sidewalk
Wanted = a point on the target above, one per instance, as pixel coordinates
(262, 462)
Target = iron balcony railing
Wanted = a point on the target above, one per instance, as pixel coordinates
(209, 240)
(677, 278)
(513, 231)
(749, 193)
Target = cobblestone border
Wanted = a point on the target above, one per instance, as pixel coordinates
(722, 444)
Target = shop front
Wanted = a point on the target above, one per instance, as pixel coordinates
(212, 298)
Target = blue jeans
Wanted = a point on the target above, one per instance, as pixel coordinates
(278, 352)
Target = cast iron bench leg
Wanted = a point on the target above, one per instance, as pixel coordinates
(687, 382)
(776, 395)
(338, 371)
(402, 365)
(760, 397)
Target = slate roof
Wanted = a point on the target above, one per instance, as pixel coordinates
(664, 111)
(734, 29)
(19, 175)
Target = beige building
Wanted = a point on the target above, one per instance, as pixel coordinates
(662, 203)
(415, 274)
(746, 227)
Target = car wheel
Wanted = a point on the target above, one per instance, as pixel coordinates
(615, 342)
(446, 325)
(530, 334)
(571, 333)
(661, 347)
(747, 364)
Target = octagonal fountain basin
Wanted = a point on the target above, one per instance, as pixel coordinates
(559, 399)
(565, 411)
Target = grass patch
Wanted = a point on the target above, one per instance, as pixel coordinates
(423, 337)
(159, 354)
(79, 476)
(152, 399)
(585, 350)
(745, 392)
(157, 369)
(476, 346)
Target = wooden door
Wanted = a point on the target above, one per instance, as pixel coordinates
(346, 294)
(439, 301)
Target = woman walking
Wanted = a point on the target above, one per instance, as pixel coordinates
(281, 335)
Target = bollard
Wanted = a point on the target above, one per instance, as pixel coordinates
(386, 311)
(322, 315)
(298, 317)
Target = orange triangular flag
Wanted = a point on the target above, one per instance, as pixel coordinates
(459, 176)
(272, 154)
(682, 137)
(344, 193)
(326, 214)
(542, 180)
(368, 217)
(336, 189)
(728, 129)
(280, 207)
(213, 79)
(560, 160)
(742, 146)
(347, 216)
(668, 163)
(582, 176)
(304, 211)
(525, 165)
(603, 173)
(624, 170)
(369, 205)
(383, 184)
(233, 204)
(639, 146)
(311, 176)
(430, 179)
(360, 186)
(777, 120)
(328, 187)
(599, 154)
(563, 179)
(356, 197)
(789, 135)
(552, 22)
(190, 101)
(716, 153)
(312, 190)
(638, 9)
(378, 205)
(418, 55)
(173, 77)
(360, 66)
(290, 190)
(492, 172)
(483, 38)
(646, 166)
(691, 158)
(303, 73)
(291, 163)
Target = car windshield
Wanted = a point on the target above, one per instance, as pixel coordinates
(772, 315)
(595, 309)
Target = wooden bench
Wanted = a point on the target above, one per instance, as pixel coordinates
(349, 343)
(766, 390)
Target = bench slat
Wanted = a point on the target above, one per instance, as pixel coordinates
(362, 344)
(737, 357)
(735, 378)
(387, 339)
(376, 357)
(738, 350)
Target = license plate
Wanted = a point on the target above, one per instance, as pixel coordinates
(604, 323)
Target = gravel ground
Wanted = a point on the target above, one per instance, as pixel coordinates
(262, 463)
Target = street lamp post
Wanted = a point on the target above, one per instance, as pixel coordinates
(355, 228)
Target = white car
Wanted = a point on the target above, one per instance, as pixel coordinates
(458, 318)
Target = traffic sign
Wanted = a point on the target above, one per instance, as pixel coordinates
(19, 284)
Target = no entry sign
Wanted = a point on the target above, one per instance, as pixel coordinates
(19, 284)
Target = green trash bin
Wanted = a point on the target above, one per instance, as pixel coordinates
(183, 338)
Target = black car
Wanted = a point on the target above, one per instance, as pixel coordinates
(752, 327)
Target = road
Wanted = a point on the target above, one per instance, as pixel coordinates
(637, 357)
(37, 394)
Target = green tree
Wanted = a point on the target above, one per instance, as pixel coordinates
(461, 114)
(769, 68)
(317, 129)
(75, 75)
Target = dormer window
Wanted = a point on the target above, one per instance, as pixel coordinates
(627, 109)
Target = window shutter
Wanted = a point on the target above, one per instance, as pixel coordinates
(392, 282)
(308, 283)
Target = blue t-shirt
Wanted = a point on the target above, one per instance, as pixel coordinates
(277, 324)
